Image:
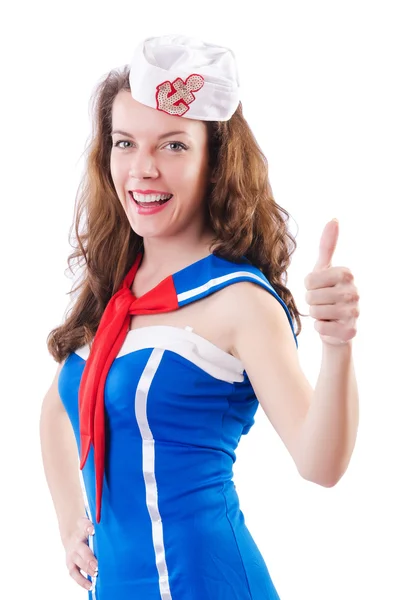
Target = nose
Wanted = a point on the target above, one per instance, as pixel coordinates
(143, 166)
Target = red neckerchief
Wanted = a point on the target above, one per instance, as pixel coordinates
(109, 338)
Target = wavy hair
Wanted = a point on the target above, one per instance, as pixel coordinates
(240, 208)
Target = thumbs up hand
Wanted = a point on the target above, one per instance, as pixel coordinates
(331, 293)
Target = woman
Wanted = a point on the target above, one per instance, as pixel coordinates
(182, 327)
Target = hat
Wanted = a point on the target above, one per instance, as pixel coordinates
(186, 77)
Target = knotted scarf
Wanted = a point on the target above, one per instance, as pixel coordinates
(109, 338)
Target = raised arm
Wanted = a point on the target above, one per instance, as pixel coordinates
(318, 427)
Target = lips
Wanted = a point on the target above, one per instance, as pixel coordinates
(150, 192)
(149, 199)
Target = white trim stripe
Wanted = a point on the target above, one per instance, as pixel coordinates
(201, 352)
(148, 463)
(219, 280)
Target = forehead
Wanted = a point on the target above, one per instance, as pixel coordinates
(140, 120)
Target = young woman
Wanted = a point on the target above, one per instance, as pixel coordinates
(182, 327)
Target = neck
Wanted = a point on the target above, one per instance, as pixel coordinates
(169, 255)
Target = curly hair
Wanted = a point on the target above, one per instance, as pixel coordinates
(240, 208)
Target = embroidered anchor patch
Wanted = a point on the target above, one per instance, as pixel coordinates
(175, 97)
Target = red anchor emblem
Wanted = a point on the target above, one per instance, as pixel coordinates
(174, 98)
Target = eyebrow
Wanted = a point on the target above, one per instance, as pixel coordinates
(164, 135)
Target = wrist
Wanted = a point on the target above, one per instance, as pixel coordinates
(338, 351)
(68, 530)
(337, 343)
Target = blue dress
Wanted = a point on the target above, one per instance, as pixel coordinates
(176, 407)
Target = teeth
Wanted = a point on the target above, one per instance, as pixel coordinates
(150, 197)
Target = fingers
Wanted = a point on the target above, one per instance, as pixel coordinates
(337, 330)
(335, 312)
(331, 296)
(79, 578)
(329, 277)
(81, 559)
(85, 559)
(85, 527)
(79, 556)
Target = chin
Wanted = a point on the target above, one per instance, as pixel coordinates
(144, 232)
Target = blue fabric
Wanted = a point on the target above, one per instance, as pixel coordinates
(213, 267)
(196, 421)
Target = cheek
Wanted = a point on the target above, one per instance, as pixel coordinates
(191, 176)
(118, 180)
(113, 169)
(117, 172)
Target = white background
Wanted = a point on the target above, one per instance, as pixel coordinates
(318, 88)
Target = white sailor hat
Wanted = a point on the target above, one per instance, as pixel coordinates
(186, 77)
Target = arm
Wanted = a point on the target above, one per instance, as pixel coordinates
(60, 461)
(328, 434)
(318, 427)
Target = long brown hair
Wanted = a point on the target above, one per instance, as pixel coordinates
(240, 207)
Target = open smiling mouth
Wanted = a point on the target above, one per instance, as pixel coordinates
(148, 200)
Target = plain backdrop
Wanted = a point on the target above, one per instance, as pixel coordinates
(318, 88)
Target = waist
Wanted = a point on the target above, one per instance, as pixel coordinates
(130, 537)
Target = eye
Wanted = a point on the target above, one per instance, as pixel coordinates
(179, 146)
(116, 144)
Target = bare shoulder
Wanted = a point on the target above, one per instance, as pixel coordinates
(263, 340)
(248, 304)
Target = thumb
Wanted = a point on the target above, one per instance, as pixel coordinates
(328, 243)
